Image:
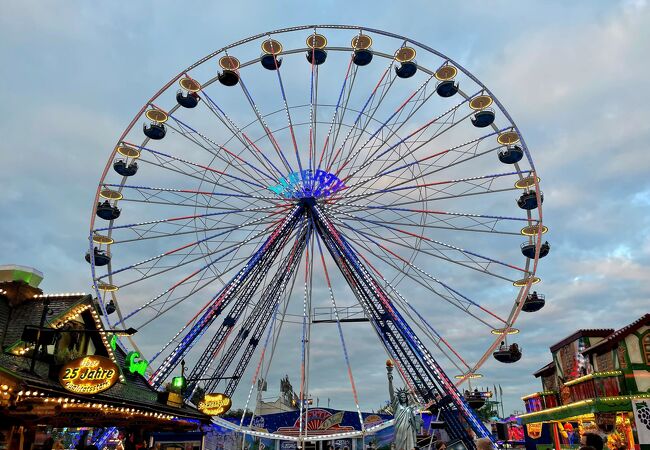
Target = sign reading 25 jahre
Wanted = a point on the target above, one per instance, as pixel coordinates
(89, 375)
(215, 404)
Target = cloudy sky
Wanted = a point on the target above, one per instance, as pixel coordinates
(572, 75)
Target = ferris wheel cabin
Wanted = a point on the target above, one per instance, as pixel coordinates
(534, 302)
(107, 211)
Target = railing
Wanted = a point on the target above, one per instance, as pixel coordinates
(540, 401)
(596, 385)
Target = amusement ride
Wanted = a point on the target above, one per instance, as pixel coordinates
(320, 166)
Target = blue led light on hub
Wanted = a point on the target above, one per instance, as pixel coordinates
(307, 183)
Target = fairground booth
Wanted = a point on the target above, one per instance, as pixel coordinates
(598, 381)
(63, 377)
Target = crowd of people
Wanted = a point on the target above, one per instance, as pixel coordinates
(588, 441)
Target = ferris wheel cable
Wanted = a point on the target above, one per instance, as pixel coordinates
(453, 300)
(265, 127)
(339, 123)
(439, 255)
(431, 212)
(356, 121)
(355, 133)
(393, 131)
(212, 147)
(217, 146)
(429, 328)
(236, 131)
(191, 191)
(340, 331)
(436, 168)
(142, 234)
(368, 118)
(393, 115)
(210, 142)
(202, 166)
(417, 131)
(190, 217)
(169, 252)
(433, 241)
(286, 108)
(437, 155)
(234, 263)
(438, 227)
(280, 173)
(396, 267)
(336, 109)
(421, 271)
(231, 265)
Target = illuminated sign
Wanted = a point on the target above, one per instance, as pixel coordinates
(534, 430)
(89, 375)
(215, 404)
(308, 183)
(134, 366)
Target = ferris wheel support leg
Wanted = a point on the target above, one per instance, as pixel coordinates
(227, 293)
(431, 383)
(256, 321)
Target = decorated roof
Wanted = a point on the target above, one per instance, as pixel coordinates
(590, 332)
(610, 341)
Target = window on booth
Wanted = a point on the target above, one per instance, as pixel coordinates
(645, 343)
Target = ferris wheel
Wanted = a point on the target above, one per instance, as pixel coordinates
(313, 170)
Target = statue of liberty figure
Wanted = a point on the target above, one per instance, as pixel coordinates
(407, 419)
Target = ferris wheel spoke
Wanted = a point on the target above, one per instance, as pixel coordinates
(192, 244)
(360, 114)
(429, 164)
(337, 113)
(213, 148)
(185, 196)
(424, 279)
(267, 131)
(482, 184)
(421, 99)
(481, 261)
(164, 159)
(468, 261)
(237, 133)
(436, 219)
(184, 221)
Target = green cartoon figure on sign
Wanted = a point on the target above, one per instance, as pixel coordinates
(134, 366)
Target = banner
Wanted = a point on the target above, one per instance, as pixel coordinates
(641, 408)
